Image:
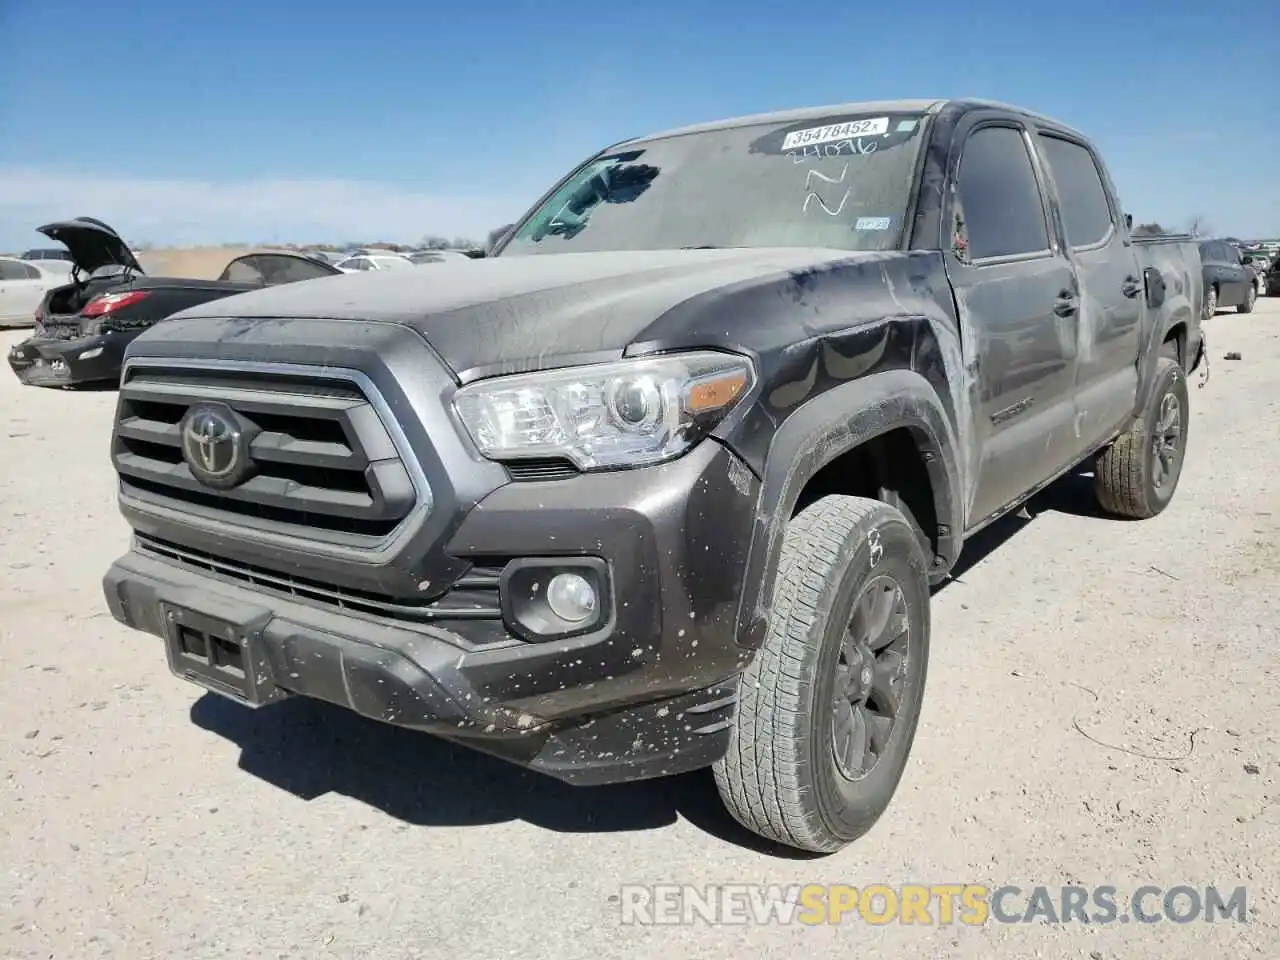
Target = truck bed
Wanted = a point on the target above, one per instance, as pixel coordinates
(1178, 295)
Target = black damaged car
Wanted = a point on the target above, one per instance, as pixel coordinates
(83, 327)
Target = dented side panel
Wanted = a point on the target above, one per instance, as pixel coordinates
(1173, 301)
(846, 351)
(832, 424)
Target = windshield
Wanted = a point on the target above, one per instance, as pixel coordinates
(842, 182)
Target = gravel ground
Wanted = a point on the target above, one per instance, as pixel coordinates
(144, 819)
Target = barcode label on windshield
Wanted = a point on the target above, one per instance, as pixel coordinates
(836, 131)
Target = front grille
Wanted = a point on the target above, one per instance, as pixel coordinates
(325, 466)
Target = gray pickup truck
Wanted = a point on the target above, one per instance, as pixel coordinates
(664, 481)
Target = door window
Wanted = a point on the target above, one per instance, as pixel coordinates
(11, 271)
(1086, 214)
(1000, 207)
(273, 268)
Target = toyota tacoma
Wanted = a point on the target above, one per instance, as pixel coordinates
(663, 481)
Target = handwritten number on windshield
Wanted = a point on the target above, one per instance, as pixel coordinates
(851, 147)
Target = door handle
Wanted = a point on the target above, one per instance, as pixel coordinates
(1131, 287)
(1065, 305)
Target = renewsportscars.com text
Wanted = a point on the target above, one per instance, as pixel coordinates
(926, 904)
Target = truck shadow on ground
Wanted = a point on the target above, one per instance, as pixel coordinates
(1071, 494)
(310, 749)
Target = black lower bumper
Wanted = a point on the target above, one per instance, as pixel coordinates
(226, 639)
(47, 362)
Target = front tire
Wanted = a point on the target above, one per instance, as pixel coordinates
(828, 709)
(1138, 473)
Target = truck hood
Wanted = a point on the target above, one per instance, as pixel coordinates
(92, 243)
(509, 314)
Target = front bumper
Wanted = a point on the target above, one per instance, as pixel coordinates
(650, 692)
(46, 362)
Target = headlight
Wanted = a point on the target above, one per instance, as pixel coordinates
(629, 413)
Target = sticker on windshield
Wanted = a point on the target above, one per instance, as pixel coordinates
(871, 127)
(839, 137)
(872, 223)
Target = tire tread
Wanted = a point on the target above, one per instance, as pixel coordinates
(1121, 471)
(762, 777)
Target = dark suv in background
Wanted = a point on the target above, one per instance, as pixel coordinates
(1229, 281)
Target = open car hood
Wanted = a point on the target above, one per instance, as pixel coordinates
(92, 243)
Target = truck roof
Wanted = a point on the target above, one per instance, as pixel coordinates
(858, 106)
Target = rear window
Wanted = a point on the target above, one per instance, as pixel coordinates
(272, 269)
(1086, 214)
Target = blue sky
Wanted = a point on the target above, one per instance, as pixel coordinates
(266, 122)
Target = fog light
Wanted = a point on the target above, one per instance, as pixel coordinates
(571, 597)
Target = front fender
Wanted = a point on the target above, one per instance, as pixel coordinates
(819, 431)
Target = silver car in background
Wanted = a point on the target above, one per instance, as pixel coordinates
(23, 284)
(437, 256)
(363, 262)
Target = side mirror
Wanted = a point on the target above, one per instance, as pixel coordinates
(1128, 221)
(1246, 259)
(496, 237)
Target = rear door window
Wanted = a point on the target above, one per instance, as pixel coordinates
(1000, 202)
(11, 271)
(272, 269)
(1086, 214)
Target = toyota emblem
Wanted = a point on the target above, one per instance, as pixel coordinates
(214, 445)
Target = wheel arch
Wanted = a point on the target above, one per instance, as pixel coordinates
(872, 414)
(1176, 321)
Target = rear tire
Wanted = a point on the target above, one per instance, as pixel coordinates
(1210, 302)
(1250, 299)
(828, 709)
(1136, 475)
